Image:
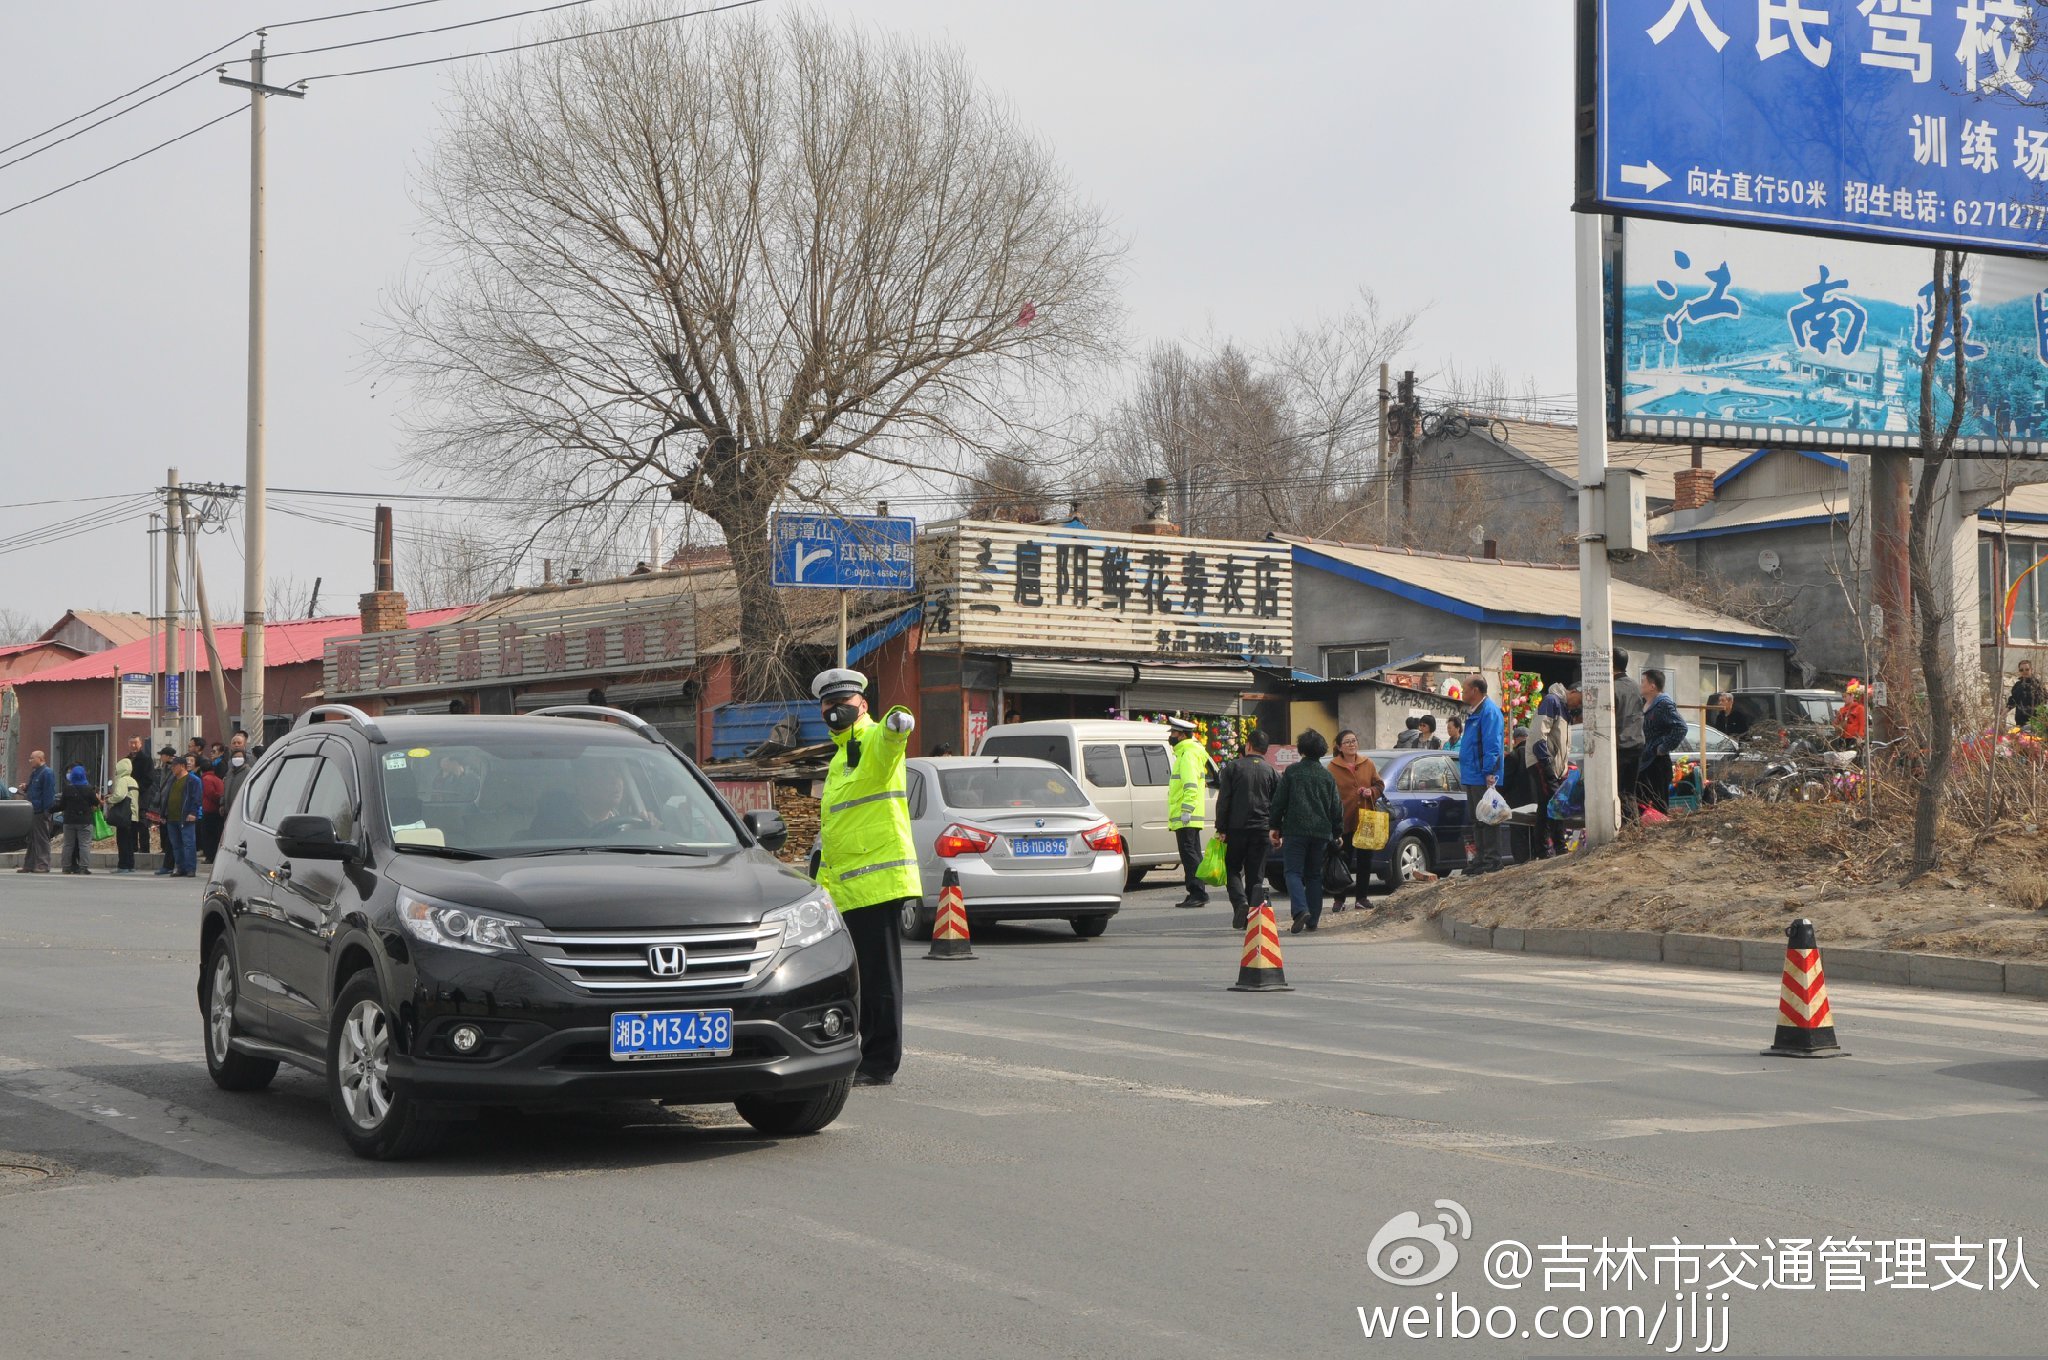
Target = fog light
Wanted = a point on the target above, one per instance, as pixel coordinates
(835, 1024)
(466, 1038)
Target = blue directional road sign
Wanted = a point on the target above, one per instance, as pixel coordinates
(1897, 120)
(844, 552)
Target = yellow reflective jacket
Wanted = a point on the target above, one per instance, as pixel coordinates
(1187, 789)
(866, 854)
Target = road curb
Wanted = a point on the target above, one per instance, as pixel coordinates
(1903, 968)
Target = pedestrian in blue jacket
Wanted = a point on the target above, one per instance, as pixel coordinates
(41, 793)
(1481, 762)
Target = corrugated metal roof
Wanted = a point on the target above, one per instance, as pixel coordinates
(116, 626)
(1507, 591)
(707, 585)
(284, 644)
(1557, 448)
(1757, 512)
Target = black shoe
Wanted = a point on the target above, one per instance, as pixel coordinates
(873, 1079)
(1192, 902)
(1240, 919)
(1312, 925)
(1300, 924)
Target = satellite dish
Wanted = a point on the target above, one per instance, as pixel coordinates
(1768, 561)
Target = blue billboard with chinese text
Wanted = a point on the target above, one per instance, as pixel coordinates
(1752, 337)
(1904, 120)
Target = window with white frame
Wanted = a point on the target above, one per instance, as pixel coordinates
(2030, 609)
(1720, 677)
(1353, 657)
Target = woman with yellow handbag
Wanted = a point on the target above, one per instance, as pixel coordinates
(1358, 787)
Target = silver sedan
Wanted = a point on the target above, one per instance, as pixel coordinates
(1024, 839)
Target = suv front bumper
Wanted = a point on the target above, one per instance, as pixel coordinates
(548, 1042)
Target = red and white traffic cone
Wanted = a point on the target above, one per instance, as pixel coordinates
(1261, 971)
(949, 933)
(1806, 1023)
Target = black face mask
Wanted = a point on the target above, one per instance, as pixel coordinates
(839, 717)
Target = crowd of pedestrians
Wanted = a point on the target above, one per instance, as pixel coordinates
(185, 796)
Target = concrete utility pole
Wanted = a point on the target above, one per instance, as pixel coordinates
(256, 477)
(1386, 480)
(1596, 622)
(174, 635)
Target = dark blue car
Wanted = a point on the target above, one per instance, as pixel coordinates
(1427, 806)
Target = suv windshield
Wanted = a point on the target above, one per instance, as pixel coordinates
(549, 790)
(1812, 709)
(1009, 786)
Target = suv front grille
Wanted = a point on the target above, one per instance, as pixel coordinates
(620, 961)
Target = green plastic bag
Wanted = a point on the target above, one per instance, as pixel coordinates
(100, 830)
(1211, 870)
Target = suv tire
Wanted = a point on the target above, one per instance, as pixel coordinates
(231, 1071)
(1089, 927)
(793, 1116)
(379, 1121)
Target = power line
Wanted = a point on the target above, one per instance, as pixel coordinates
(107, 170)
(521, 47)
(348, 14)
(118, 113)
(55, 127)
(424, 32)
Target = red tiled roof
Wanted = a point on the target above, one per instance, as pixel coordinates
(284, 644)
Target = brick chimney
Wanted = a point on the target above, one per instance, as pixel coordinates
(383, 609)
(1694, 487)
(1156, 523)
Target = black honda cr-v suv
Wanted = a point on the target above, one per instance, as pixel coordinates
(436, 914)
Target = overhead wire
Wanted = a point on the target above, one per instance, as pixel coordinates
(425, 32)
(129, 160)
(526, 46)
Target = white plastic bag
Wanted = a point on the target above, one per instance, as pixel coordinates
(1494, 809)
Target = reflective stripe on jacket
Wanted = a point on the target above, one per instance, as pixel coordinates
(1187, 789)
(867, 855)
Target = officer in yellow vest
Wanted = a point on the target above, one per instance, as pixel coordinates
(867, 860)
(1187, 791)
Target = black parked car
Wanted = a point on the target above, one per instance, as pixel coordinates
(435, 914)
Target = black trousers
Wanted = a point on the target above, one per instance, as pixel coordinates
(1485, 839)
(877, 933)
(1653, 783)
(126, 837)
(1628, 763)
(1188, 840)
(1244, 858)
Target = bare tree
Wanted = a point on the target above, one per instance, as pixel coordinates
(1010, 486)
(720, 258)
(1932, 607)
(451, 566)
(16, 626)
(289, 597)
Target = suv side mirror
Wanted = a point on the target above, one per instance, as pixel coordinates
(308, 835)
(768, 829)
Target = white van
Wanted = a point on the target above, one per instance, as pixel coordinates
(1123, 767)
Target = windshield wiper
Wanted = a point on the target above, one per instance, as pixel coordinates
(617, 850)
(442, 851)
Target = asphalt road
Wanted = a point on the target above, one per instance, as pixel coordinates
(1095, 1149)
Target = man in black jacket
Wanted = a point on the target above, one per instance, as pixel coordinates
(1244, 794)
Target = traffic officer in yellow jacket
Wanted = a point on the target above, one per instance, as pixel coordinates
(867, 860)
(1186, 804)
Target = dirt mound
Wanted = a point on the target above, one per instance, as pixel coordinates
(1746, 869)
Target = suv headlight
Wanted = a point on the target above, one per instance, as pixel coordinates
(807, 920)
(453, 927)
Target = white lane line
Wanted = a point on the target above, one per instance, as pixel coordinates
(153, 1120)
(1078, 1041)
(1741, 1123)
(925, 1266)
(166, 1050)
(1116, 1085)
(1244, 1037)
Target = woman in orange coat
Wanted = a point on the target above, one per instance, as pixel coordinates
(1358, 786)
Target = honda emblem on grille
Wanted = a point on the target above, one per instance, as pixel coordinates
(666, 960)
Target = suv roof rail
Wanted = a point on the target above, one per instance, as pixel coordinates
(362, 720)
(632, 720)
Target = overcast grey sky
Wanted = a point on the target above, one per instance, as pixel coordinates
(1264, 161)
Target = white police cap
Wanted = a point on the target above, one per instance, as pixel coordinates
(838, 683)
(1180, 724)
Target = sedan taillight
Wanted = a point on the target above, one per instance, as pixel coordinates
(1105, 838)
(962, 839)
